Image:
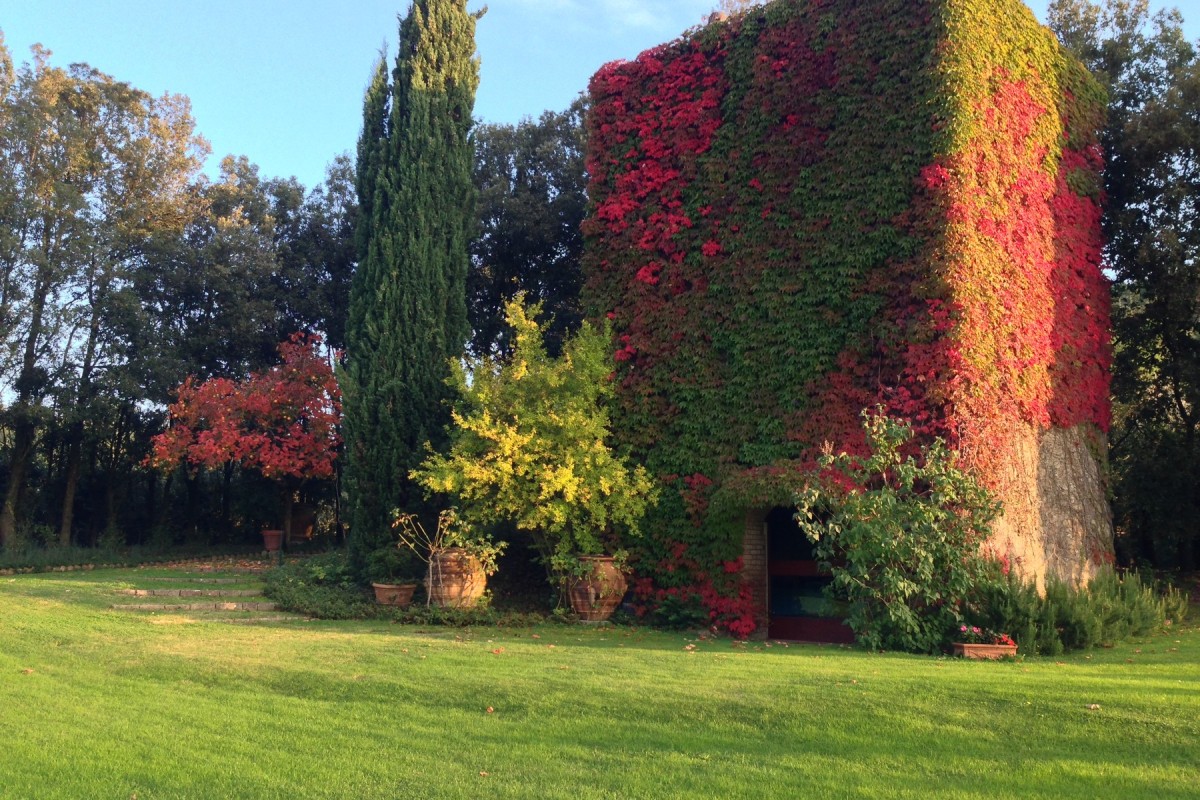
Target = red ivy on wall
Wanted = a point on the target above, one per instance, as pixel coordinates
(785, 232)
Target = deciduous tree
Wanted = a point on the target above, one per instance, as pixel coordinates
(282, 422)
(91, 170)
(532, 198)
(1152, 224)
(530, 445)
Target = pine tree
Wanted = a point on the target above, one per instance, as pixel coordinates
(408, 313)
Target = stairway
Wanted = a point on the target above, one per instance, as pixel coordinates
(227, 599)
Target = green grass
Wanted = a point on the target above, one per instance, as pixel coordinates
(97, 703)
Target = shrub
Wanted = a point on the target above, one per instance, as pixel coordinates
(529, 446)
(324, 587)
(901, 535)
(1110, 609)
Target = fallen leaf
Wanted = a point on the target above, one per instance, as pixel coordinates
(1092, 706)
(26, 672)
(483, 774)
(491, 710)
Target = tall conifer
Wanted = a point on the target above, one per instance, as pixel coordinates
(408, 300)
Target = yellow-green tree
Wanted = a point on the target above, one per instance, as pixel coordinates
(529, 446)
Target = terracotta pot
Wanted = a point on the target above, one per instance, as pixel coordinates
(272, 540)
(984, 650)
(596, 595)
(455, 579)
(394, 594)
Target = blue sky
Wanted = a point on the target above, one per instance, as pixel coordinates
(281, 81)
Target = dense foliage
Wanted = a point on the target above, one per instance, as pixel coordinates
(902, 535)
(530, 446)
(1152, 228)
(531, 203)
(1108, 610)
(122, 271)
(811, 209)
(408, 316)
(282, 423)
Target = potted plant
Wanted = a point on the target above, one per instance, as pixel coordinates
(976, 642)
(529, 447)
(457, 560)
(392, 573)
(281, 423)
(595, 584)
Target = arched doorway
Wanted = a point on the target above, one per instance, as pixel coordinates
(797, 607)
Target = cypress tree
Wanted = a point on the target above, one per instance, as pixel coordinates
(407, 315)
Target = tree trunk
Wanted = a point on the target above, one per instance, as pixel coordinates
(24, 430)
(288, 502)
(83, 397)
(23, 437)
(71, 484)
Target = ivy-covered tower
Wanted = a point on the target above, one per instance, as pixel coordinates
(821, 206)
(408, 299)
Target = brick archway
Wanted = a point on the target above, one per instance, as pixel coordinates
(787, 580)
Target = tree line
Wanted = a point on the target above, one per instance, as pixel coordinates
(123, 270)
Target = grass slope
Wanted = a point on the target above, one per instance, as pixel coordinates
(103, 704)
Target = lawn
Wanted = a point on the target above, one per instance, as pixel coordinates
(99, 703)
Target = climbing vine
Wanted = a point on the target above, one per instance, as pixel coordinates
(821, 206)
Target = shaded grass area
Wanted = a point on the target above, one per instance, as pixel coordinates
(99, 703)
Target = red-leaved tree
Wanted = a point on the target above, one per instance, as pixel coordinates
(282, 422)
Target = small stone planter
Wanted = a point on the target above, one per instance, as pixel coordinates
(984, 651)
(394, 594)
(272, 540)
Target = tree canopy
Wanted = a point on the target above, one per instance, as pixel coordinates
(1152, 225)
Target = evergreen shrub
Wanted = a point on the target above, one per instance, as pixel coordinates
(1111, 609)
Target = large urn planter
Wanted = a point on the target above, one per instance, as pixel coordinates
(982, 651)
(455, 579)
(272, 540)
(596, 594)
(394, 594)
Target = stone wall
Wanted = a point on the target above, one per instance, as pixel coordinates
(1056, 519)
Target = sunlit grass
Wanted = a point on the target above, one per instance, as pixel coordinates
(97, 703)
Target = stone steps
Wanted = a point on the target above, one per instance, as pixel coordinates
(187, 595)
(182, 579)
(193, 607)
(190, 592)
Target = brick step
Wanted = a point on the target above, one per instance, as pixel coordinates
(191, 592)
(194, 607)
(181, 579)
